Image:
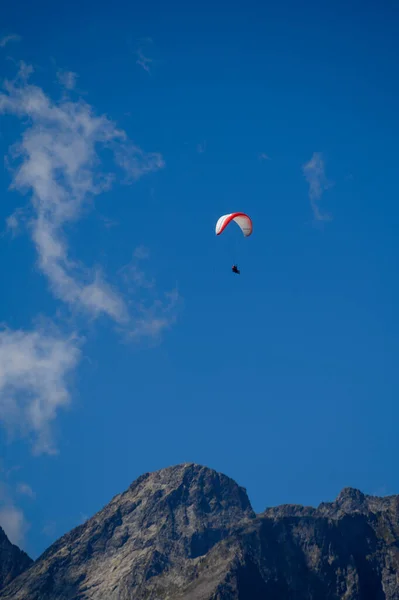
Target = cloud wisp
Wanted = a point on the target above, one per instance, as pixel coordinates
(142, 59)
(12, 518)
(6, 39)
(314, 172)
(34, 371)
(25, 490)
(59, 164)
(152, 313)
(67, 79)
(152, 319)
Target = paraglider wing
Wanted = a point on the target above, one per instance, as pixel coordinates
(243, 221)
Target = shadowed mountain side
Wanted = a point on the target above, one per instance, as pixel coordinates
(13, 561)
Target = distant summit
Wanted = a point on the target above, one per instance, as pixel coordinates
(188, 532)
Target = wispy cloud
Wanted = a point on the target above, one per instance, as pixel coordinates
(108, 223)
(15, 221)
(264, 156)
(60, 166)
(34, 369)
(67, 79)
(141, 253)
(201, 147)
(152, 312)
(83, 517)
(143, 60)
(136, 163)
(314, 172)
(6, 39)
(13, 521)
(25, 490)
(12, 518)
(49, 529)
(152, 319)
(133, 276)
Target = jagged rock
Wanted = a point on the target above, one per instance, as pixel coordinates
(189, 533)
(13, 561)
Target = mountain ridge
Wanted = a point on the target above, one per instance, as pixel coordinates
(187, 531)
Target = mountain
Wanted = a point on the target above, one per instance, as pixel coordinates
(188, 532)
(13, 561)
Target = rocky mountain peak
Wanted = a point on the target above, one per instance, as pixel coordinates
(199, 487)
(186, 498)
(351, 496)
(163, 519)
(13, 561)
(349, 501)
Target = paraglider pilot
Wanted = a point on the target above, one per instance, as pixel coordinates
(243, 221)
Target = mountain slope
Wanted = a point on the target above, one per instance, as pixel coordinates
(187, 532)
(13, 561)
(163, 520)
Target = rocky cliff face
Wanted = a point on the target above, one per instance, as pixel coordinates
(189, 533)
(12, 560)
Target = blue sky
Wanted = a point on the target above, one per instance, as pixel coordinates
(127, 344)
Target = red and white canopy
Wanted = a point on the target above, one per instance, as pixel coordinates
(243, 221)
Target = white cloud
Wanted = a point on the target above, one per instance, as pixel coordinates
(6, 39)
(264, 156)
(25, 490)
(17, 221)
(151, 313)
(60, 166)
(143, 60)
(13, 521)
(137, 163)
(67, 79)
(153, 318)
(133, 276)
(12, 222)
(141, 253)
(34, 368)
(314, 172)
(12, 518)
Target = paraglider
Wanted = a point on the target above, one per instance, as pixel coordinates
(243, 221)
